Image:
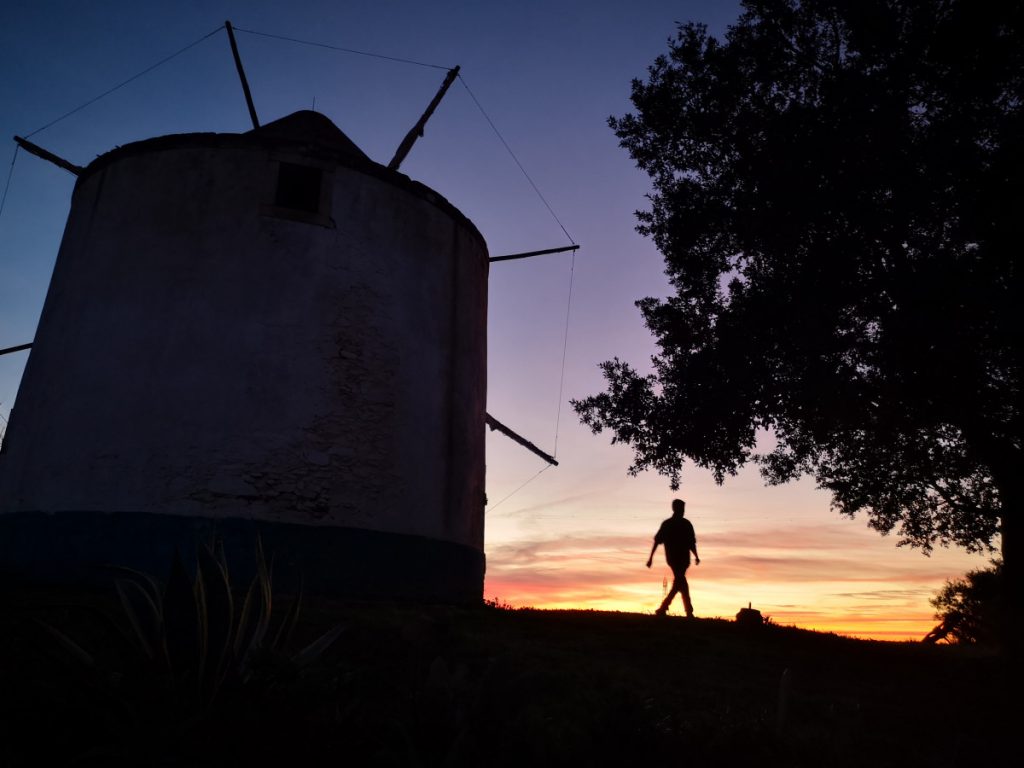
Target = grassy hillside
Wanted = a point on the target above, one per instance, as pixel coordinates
(424, 685)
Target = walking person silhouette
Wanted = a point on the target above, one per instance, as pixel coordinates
(678, 536)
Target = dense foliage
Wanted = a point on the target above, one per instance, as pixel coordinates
(837, 187)
(971, 609)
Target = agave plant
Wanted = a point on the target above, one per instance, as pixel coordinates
(190, 635)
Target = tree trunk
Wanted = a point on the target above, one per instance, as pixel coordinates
(1005, 462)
(1012, 630)
(1013, 601)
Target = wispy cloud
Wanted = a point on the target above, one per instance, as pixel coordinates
(548, 505)
(552, 550)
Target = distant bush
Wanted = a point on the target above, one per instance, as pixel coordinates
(751, 617)
(498, 604)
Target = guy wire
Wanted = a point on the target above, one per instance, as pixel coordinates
(339, 48)
(121, 85)
(517, 490)
(7, 186)
(516, 159)
(565, 347)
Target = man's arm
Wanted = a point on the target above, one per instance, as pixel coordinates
(694, 550)
(653, 549)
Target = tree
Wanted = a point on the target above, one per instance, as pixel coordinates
(970, 609)
(837, 191)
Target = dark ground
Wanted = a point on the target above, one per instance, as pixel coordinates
(441, 686)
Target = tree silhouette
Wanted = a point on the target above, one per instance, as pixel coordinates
(970, 609)
(837, 193)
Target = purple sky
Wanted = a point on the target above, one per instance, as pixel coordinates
(549, 74)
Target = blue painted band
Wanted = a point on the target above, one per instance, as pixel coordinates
(74, 547)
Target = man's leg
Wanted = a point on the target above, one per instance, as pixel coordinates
(668, 600)
(676, 576)
(684, 588)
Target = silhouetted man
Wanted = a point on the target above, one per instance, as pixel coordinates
(677, 535)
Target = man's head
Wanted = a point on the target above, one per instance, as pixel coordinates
(678, 507)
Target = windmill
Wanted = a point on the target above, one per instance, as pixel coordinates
(263, 333)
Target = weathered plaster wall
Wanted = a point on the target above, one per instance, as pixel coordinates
(199, 357)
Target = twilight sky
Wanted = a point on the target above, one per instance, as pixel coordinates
(548, 74)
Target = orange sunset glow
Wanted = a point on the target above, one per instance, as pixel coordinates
(780, 549)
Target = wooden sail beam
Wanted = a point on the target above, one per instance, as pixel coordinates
(417, 130)
(18, 348)
(38, 151)
(494, 424)
(528, 254)
(241, 75)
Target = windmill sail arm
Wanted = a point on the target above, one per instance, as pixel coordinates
(38, 151)
(19, 348)
(528, 254)
(417, 130)
(494, 424)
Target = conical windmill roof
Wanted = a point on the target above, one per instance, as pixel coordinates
(312, 127)
(305, 130)
(303, 127)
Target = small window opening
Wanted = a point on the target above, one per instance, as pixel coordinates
(298, 187)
